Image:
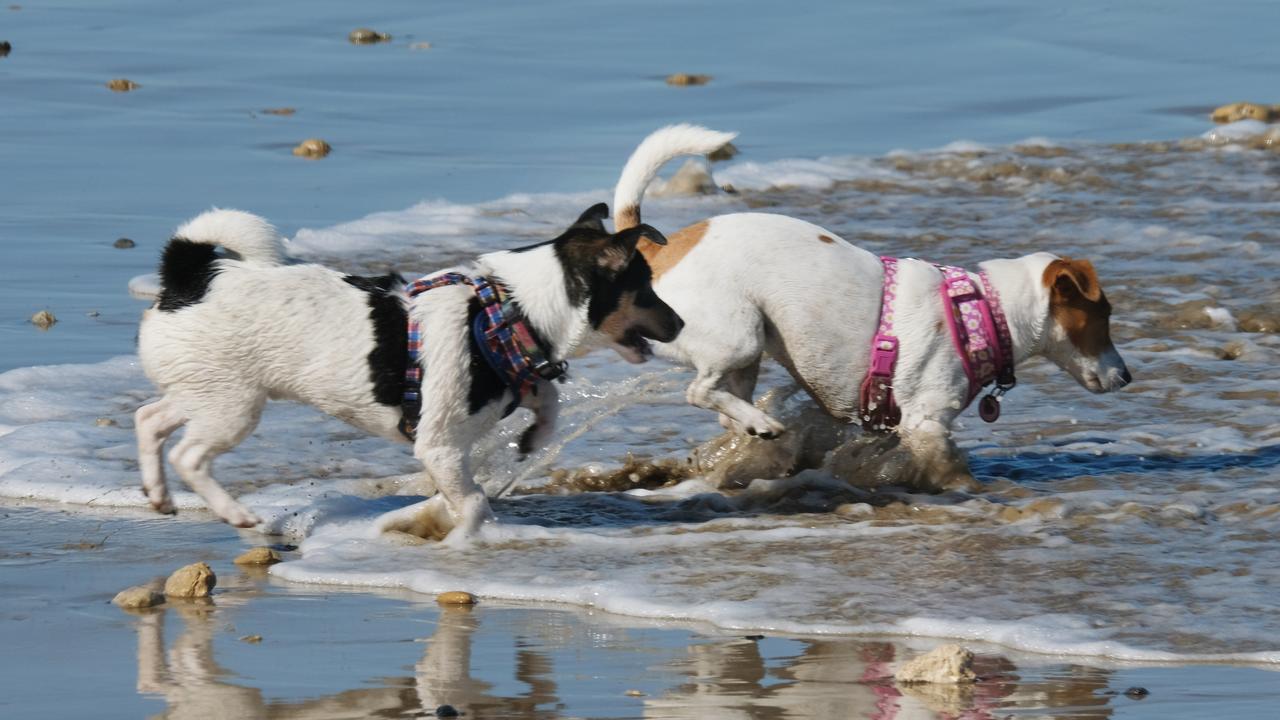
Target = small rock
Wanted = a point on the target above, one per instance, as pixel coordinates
(139, 596)
(312, 148)
(251, 639)
(685, 79)
(634, 693)
(1244, 111)
(279, 111)
(365, 36)
(1136, 693)
(1258, 321)
(5, 48)
(944, 664)
(105, 422)
(447, 711)
(420, 46)
(124, 244)
(692, 178)
(93, 313)
(726, 152)
(753, 637)
(258, 556)
(194, 580)
(43, 320)
(122, 85)
(455, 597)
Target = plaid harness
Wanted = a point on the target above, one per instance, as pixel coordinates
(979, 333)
(504, 337)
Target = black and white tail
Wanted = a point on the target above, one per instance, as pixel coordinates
(187, 264)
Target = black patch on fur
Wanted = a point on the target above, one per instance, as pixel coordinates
(186, 269)
(584, 247)
(607, 291)
(486, 384)
(389, 355)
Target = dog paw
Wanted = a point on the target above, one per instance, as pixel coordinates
(765, 428)
(164, 506)
(239, 516)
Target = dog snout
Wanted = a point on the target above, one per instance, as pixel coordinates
(677, 325)
(1118, 378)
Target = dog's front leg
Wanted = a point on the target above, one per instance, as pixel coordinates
(939, 464)
(545, 404)
(459, 502)
(450, 467)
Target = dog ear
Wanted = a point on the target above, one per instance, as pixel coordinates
(632, 235)
(592, 218)
(622, 246)
(1073, 278)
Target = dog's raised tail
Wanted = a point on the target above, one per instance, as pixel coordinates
(652, 153)
(251, 238)
(190, 258)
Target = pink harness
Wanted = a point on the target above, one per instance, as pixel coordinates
(979, 332)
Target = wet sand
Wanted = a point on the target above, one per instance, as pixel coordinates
(329, 653)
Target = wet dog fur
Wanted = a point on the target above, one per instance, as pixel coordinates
(234, 326)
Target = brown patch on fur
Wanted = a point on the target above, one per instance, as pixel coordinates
(662, 258)
(617, 323)
(1078, 305)
(826, 239)
(627, 217)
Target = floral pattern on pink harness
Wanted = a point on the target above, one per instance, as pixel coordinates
(979, 332)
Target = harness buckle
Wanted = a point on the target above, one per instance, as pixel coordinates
(548, 370)
(883, 355)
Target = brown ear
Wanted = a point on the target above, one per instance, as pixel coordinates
(1070, 278)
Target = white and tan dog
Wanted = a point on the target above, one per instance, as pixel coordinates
(229, 332)
(750, 283)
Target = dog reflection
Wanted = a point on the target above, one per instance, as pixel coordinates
(722, 679)
(193, 685)
(848, 679)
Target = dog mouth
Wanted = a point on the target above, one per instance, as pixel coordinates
(634, 347)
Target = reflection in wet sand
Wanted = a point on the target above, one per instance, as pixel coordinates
(716, 678)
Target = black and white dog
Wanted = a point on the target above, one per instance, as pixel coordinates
(228, 331)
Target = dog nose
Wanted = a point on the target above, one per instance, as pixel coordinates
(674, 325)
(1125, 377)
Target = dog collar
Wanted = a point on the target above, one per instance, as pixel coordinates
(979, 333)
(502, 333)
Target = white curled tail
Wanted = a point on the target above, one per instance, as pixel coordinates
(251, 237)
(652, 153)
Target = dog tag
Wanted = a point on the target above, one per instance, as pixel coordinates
(989, 408)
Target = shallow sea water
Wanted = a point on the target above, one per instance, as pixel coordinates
(1114, 532)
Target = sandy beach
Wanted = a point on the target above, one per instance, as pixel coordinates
(1117, 561)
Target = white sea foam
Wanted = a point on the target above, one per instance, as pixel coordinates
(1238, 130)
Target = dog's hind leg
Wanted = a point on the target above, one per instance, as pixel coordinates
(211, 432)
(153, 424)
